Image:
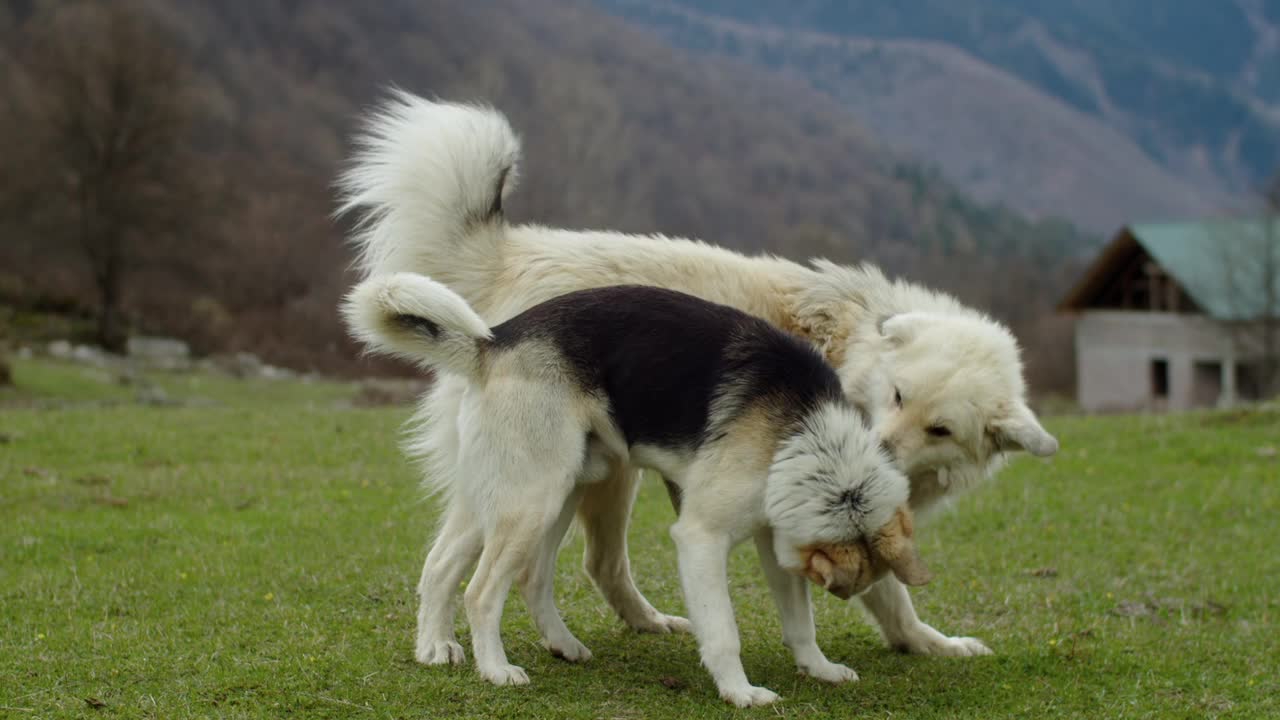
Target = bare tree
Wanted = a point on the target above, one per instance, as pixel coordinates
(1269, 332)
(1250, 255)
(6, 370)
(108, 163)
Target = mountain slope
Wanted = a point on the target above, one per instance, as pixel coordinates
(997, 136)
(1193, 87)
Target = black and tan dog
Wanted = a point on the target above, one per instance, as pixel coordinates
(749, 423)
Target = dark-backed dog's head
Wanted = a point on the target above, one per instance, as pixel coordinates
(848, 569)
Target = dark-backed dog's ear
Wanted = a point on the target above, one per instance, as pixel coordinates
(821, 569)
(896, 546)
(1019, 430)
(909, 568)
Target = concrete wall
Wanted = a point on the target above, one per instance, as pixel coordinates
(1115, 351)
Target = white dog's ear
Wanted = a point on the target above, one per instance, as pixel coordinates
(1019, 430)
(903, 327)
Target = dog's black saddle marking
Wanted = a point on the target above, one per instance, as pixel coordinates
(660, 357)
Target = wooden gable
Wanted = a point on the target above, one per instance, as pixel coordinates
(1126, 277)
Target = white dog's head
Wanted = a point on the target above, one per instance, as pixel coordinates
(943, 382)
(958, 398)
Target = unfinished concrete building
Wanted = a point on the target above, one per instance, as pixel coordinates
(1175, 316)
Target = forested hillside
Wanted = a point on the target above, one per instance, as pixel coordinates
(621, 130)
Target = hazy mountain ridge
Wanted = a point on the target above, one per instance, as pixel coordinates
(1195, 87)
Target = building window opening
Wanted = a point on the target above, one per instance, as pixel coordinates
(1160, 379)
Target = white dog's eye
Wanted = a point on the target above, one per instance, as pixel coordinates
(938, 431)
(897, 397)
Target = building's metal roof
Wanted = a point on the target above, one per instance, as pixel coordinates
(1219, 263)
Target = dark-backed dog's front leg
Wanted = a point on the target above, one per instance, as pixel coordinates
(704, 577)
(605, 513)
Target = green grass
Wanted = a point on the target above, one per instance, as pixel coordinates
(257, 557)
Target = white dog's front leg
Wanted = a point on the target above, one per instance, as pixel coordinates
(704, 576)
(791, 593)
(890, 605)
(605, 513)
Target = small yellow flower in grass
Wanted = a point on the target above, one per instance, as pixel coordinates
(269, 597)
(1110, 596)
(1252, 682)
(182, 575)
(1053, 642)
(39, 636)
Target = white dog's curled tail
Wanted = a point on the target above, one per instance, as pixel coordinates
(418, 319)
(427, 177)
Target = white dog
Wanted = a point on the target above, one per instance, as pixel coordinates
(749, 423)
(430, 180)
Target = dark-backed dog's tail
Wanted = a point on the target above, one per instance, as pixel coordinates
(418, 319)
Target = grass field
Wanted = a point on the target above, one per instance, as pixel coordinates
(255, 556)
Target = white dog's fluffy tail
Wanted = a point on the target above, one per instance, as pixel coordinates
(429, 179)
(416, 318)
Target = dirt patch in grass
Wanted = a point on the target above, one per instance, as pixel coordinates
(1164, 609)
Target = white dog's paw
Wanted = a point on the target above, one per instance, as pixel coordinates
(943, 646)
(963, 647)
(662, 624)
(749, 696)
(828, 671)
(505, 675)
(568, 649)
(440, 652)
